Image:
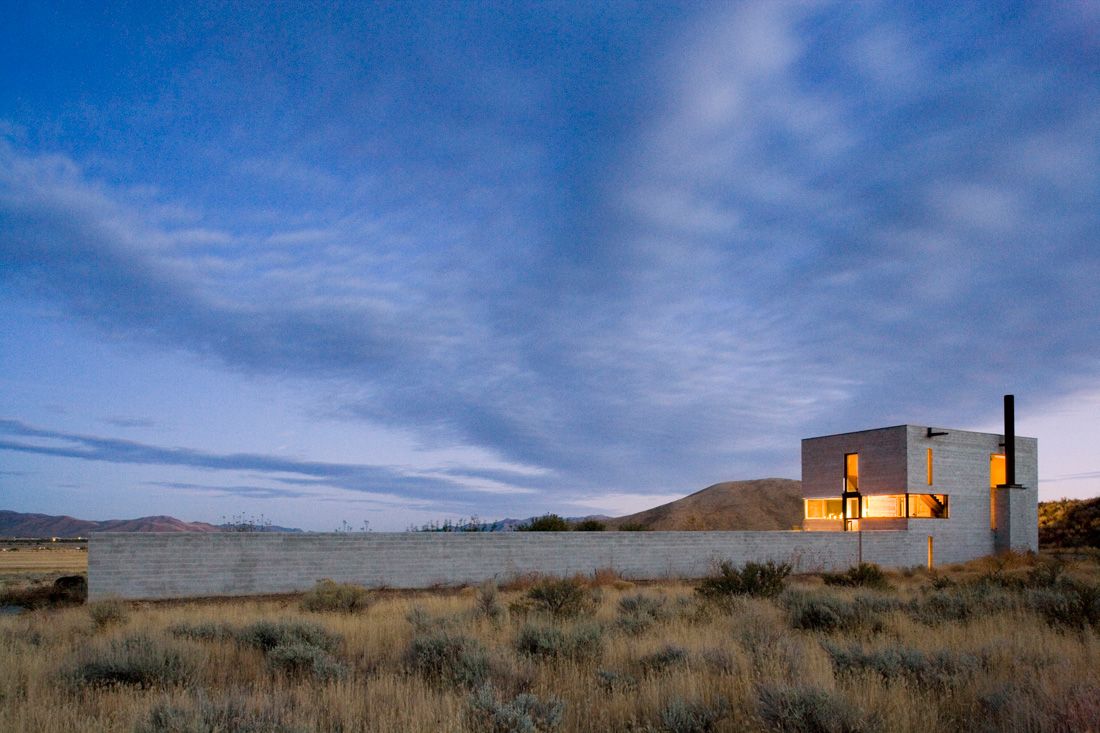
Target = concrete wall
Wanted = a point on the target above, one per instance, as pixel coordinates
(147, 565)
(882, 467)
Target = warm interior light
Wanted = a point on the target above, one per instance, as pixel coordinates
(929, 466)
(884, 505)
(823, 508)
(928, 506)
(996, 470)
(851, 472)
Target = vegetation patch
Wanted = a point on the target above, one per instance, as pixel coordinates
(563, 597)
(266, 635)
(762, 580)
(133, 660)
(551, 642)
(449, 659)
(805, 709)
(864, 575)
(525, 713)
(330, 596)
(233, 712)
(697, 716)
(297, 659)
(935, 669)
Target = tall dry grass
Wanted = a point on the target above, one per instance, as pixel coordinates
(984, 646)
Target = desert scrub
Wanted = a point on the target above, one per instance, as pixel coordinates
(233, 712)
(763, 580)
(266, 635)
(805, 709)
(663, 659)
(563, 597)
(525, 713)
(580, 643)
(828, 613)
(637, 613)
(487, 603)
(939, 669)
(203, 631)
(137, 660)
(297, 659)
(448, 658)
(330, 596)
(1067, 604)
(108, 613)
(864, 575)
(679, 716)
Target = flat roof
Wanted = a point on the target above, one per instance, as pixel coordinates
(910, 425)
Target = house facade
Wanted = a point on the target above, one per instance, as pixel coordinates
(955, 487)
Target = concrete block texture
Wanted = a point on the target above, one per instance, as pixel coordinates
(150, 566)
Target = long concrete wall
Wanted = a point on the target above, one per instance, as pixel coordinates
(148, 565)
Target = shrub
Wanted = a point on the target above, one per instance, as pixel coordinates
(227, 713)
(524, 713)
(864, 575)
(132, 660)
(448, 658)
(303, 660)
(69, 590)
(939, 669)
(205, 631)
(638, 612)
(545, 523)
(266, 635)
(1068, 604)
(610, 680)
(664, 658)
(108, 613)
(803, 709)
(328, 595)
(562, 598)
(692, 717)
(590, 525)
(754, 579)
(550, 642)
(719, 660)
(488, 604)
(820, 614)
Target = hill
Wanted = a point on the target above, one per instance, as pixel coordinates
(1070, 523)
(16, 524)
(759, 504)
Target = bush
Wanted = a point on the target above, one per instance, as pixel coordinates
(525, 713)
(692, 717)
(448, 658)
(590, 525)
(266, 635)
(939, 669)
(545, 523)
(232, 713)
(864, 575)
(638, 612)
(488, 603)
(664, 658)
(764, 580)
(550, 642)
(328, 595)
(803, 709)
(65, 591)
(133, 660)
(562, 598)
(205, 631)
(610, 680)
(108, 613)
(303, 660)
(1068, 604)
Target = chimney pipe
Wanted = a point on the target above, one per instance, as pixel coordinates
(1010, 440)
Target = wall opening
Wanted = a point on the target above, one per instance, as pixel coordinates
(996, 478)
(851, 472)
(931, 554)
(929, 466)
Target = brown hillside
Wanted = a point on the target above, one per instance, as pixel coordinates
(760, 504)
(16, 524)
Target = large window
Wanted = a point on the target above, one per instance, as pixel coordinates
(823, 508)
(885, 505)
(928, 506)
(851, 472)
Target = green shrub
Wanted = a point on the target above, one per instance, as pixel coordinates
(563, 598)
(545, 523)
(664, 658)
(108, 613)
(205, 631)
(820, 614)
(590, 525)
(524, 713)
(961, 603)
(803, 709)
(266, 635)
(639, 612)
(133, 660)
(864, 575)
(448, 658)
(296, 659)
(550, 642)
(765, 580)
(939, 669)
(227, 713)
(488, 603)
(328, 595)
(679, 716)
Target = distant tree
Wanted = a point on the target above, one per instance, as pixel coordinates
(633, 527)
(239, 523)
(590, 525)
(545, 523)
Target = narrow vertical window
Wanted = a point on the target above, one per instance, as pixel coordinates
(931, 553)
(929, 466)
(996, 478)
(851, 472)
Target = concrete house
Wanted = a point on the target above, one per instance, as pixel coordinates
(970, 494)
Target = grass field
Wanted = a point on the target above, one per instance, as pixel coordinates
(57, 560)
(1000, 645)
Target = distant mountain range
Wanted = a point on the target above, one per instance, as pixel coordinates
(16, 524)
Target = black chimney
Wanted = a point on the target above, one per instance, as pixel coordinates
(1010, 440)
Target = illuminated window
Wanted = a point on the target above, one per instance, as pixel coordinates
(928, 506)
(851, 472)
(929, 466)
(887, 505)
(823, 509)
(996, 470)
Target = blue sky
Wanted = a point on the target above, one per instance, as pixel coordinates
(395, 262)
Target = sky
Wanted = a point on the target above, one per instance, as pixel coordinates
(395, 262)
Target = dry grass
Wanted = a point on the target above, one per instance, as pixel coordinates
(59, 560)
(738, 666)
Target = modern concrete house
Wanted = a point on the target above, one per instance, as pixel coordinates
(971, 494)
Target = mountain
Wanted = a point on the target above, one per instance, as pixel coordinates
(759, 504)
(16, 524)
